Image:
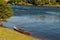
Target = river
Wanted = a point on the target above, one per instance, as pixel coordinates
(42, 22)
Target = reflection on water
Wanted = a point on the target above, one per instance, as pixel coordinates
(42, 22)
(35, 10)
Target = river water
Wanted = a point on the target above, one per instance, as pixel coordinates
(41, 22)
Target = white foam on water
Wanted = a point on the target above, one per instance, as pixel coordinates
(54, 13)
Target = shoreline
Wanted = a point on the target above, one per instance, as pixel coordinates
(41, 5)
(13, 35)
(52, 5)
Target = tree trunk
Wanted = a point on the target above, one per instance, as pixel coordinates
(49, 2)
(1, 22)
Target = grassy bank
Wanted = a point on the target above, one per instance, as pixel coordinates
(7, 34)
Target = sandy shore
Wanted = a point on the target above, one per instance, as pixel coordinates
(52, 5)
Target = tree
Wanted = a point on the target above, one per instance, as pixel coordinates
(5, 11)
(58, 1)
(31, 1)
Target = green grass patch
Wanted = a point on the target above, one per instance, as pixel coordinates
(8, 34)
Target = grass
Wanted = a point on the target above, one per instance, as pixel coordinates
(8, 34)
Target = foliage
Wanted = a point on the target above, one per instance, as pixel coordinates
(36, 2)
(5, 10)
(58, 1)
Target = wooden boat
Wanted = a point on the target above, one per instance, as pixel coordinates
(20, 30)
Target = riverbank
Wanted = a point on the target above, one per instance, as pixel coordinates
(8, 34)
(28, 4)
(52, 5)
(43, 5)
(39, 5)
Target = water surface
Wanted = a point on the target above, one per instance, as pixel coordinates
(41, 22)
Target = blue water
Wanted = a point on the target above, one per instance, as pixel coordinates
(41, 22)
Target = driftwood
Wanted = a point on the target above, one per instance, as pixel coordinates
(20, 30)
